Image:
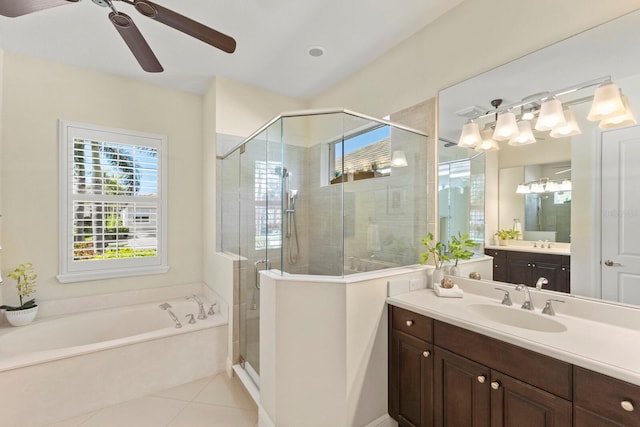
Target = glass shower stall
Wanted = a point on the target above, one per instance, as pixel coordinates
(323, 193)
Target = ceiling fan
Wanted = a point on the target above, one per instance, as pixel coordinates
(128, 30)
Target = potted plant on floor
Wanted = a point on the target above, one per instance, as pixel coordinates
(23, 314)
(436, 250)
(457, 248)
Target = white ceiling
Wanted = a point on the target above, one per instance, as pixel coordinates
(273, 37)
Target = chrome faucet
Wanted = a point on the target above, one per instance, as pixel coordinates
(548, 308)
(201, 313)
(167, 307)
(527, 304)
(541, 281)
(506, 299)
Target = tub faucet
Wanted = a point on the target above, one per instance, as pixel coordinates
(527, 304)
(201, 313)
(167, 307)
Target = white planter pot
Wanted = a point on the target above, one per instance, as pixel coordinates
(21, 317)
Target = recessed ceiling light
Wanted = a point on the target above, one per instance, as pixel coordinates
(316, 51)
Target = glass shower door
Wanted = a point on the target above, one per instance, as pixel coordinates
(260, 235)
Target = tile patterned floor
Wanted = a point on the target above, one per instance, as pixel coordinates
(217, 401)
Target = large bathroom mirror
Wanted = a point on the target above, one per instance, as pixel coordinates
(584, 171)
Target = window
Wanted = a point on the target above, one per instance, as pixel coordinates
(364, 154)
(268, 205)
(112, 203)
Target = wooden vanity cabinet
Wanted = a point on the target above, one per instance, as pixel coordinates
(526, 267)
(410, 368)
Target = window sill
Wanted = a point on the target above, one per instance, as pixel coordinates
(85, 276)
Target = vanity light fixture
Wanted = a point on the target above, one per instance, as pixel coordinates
(569, 128)
(607, 102)
(470, 136)
(625, 119)
(551, 115)
(544, 185)
(525, 134)
(398, 159)
(488, 143)
(523, 189)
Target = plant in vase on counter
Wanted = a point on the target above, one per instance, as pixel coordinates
(458, 250)
(437, 250)
(25, 278)
(504, 235)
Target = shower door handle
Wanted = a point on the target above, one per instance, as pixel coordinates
(267, 264)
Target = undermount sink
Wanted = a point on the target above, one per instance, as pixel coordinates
(520, 318)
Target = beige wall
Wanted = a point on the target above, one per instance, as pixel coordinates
(36, 95)
(474, 37)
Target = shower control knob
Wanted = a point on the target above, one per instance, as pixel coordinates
(409, 322)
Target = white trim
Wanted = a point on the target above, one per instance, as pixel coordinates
(383, 421)
(69, 273)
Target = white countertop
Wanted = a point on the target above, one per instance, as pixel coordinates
(602, 337)
(524, 248)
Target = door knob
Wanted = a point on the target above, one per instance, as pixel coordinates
(610, 263)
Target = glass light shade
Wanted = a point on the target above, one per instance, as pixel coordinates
(525, 134)
(570, 128)
(398, 159)
(487, 144)
(626, 119)
(607, 102)
(551, 115)
(552, 187)
(470, 136)
(523, 189)
(537, 188)
(506, 126)
(566, 185)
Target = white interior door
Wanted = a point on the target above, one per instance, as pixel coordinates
(620, 264)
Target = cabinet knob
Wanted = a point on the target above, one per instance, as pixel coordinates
(409, 322)
(495, 385)
(481, 379)
(528, 265)
(533, 265)
(627, 405)
(426, 353)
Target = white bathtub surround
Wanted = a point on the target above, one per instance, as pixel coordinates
(323, 348)
(77, 363)
(603, 337)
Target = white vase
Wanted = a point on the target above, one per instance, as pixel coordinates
(21, 317)
(438, 274)
(454, 271)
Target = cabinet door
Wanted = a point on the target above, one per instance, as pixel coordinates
(410, 380)
(499, 264)
(462, 391)
(519, 270)
(514, 403)
(552, 272)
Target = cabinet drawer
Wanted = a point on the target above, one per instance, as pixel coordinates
(412, 323)
(604, 395)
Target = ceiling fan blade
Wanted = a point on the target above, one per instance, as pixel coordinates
(137, 44)
(186, 25)
(13, 8)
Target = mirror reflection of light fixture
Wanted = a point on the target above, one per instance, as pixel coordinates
(625, 119)
(506, 126)
(570, 128)
(607, 102)
(398, 159)
(488, 143)
(470, 136)
(544, 185)
(525, 134)
(523, 189)
(551, 115)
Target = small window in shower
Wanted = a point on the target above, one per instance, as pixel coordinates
(268, 207)
(364, 154)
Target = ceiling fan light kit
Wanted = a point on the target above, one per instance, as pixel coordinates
(127, 28)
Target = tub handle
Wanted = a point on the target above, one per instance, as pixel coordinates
(192, 319)
(211, 311)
